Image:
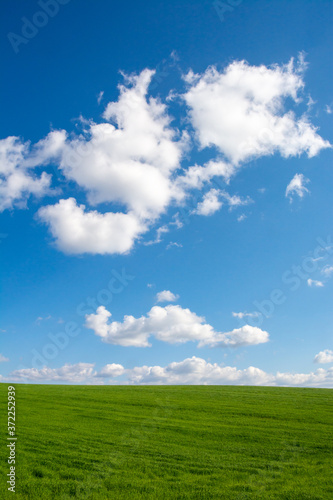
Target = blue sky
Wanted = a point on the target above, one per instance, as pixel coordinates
(184, 150)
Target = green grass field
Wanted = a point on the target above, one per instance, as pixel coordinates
(178, 442)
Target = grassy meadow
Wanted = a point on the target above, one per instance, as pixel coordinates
(170, 442)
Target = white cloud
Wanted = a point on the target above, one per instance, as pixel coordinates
(77, 231)
(3, 359)
(190, 371)
(17, 180)
(242, 315)
(18, 162)
(196, 176)
(174, 244)
(197, 371)
(327, 270)
(166, 296)
(297, 186)
(235, 200)
(240, 111)
(241, 218)
(40, 318)
(133, 158)
(158, 238)
(171, 324)
(325, 356)
(210, 203)
(110, 371)
(100, 97)
(315, 283)
(72, 373)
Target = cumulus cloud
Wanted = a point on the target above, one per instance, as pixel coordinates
(325, 356)
(240, 111)
(190, 371)
(171, 324)
(78, 231)
(166, 296)
(132, 160)
(297, 186)
(315, 283)
(210, 203)
(3, 359)
(133, 154)
(110, 371)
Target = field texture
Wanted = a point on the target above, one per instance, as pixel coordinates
(185, 442)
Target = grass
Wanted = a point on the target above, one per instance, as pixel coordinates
(170, 442)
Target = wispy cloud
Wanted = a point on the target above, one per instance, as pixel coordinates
(242, 315)
(296, 187)
(315, 283)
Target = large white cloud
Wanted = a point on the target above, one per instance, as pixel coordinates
(132, 161)
(191, 371)
(241, 111)
(171, 324)
(77, 231)
(129, 162)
